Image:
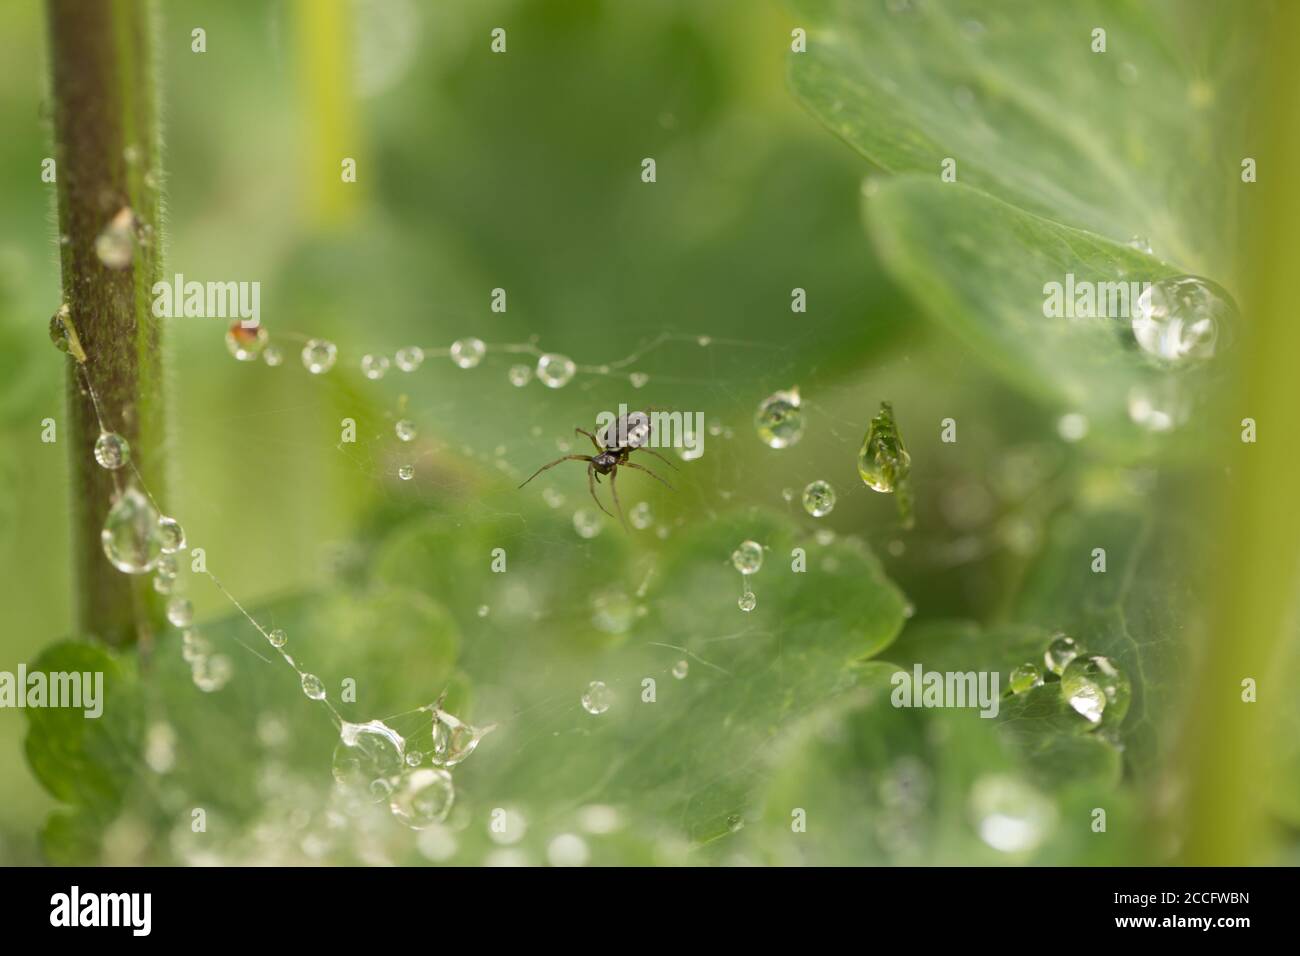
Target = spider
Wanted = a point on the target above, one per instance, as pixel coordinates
(614, 444)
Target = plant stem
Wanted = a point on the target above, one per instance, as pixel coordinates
(106, 151)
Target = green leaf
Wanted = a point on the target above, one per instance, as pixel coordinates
(1015, 93)
(84, 761)
(695, 756)
(979, 266)
(1135, 612)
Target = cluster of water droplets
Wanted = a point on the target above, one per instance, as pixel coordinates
(1094, 686)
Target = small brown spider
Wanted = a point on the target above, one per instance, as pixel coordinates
(614, 445)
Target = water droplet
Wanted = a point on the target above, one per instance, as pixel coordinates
(587, 523)
(641, 517)
(735, 823)
(194, 646)
(705, 341)
(639, 379)
(423, 798)
(612, 611)
(414, 758)
(1010, 815)
(555, 371)
(597, 698)
(1141, 244)
(1096, 688)
(681, 669)
(779, 419)
(130, 537)
(519, 375)
(410, 358)
(405, 430)
(1026, 677)
(318, 356)
(115, 245)
(172, 538)
(568, 849)
(112, 451)
(406, 472)
(453, 739)
(748, 557)
(1179, 320)
(365, 753)
(210, 674)
(882, 460)
(63, 333)
(246, 344)
(374, 366)
(1072, 426)
(313, 687)
(180, 612)
(483, 610)
(818, 498)
(747, 602)
(277, 637)
(467, 352)
(167, 565)
(1159, 407)
(1060, 652)
(272, 356)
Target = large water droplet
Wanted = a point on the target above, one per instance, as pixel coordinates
(818, 498)
(366, 753)
(410, 358)
(1096, 688)
(131, 537)
(1060, 652)
(748, 557)
(374, 367)
(883, 461)
(423, 797)
(313, 687)
(172, 536)
(597, 698)
(246, 344)
(779, 420)
(1180, 320)
(555, 371)
(453, 739)
(467, 352)
(180, 612)
(115, 245)
(1026, 677)
(112, 451)
(318, 356)
(1010, 815)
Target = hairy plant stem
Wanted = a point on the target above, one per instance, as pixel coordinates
(106, 151)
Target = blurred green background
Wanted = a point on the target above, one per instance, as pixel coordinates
(522, 171)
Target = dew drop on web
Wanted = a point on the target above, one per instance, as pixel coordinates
(131, 538)
(779, 420)
(555, 371)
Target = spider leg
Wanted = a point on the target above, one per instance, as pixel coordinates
(659, 456)
(632, 464)
(585, 458)
(591, 483)
(580, 431)
(618, 506)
